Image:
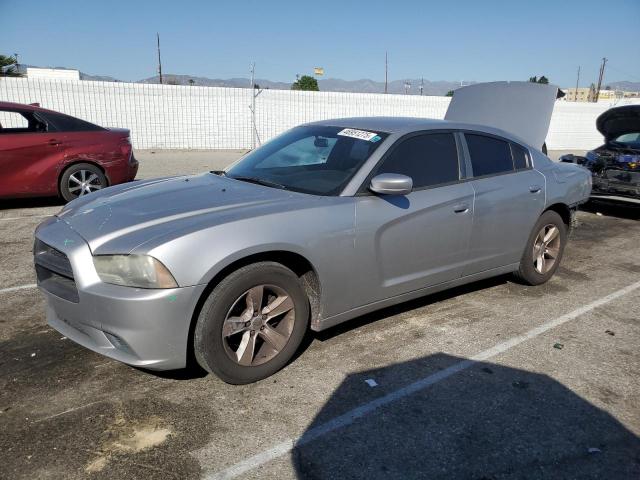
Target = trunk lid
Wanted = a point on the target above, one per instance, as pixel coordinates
(521, 108)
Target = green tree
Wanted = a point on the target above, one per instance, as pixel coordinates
(305, 82)
(9, 62)
(449, 93)
(542, 79)
(192, 82)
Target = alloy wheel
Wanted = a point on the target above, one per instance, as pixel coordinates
(83, 182)
(258, 325)
(546, 248)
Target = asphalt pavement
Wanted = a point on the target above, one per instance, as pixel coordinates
(491, 380)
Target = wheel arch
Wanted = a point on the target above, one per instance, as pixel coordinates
(76, 161)
(563, 210)
(296, 262)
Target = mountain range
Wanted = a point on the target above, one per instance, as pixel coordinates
(325, 85)
(365, 85)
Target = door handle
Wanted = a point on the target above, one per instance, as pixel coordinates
(535, 188)
(461, 208)
(54, 143)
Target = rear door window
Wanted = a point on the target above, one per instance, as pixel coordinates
(489, 155)
(12, 121)
(429, 159)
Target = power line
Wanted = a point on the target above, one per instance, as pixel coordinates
(625, 73)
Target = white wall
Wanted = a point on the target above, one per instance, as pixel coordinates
(53, 73)
(191, 117)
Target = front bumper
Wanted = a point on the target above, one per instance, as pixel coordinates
(142, 327)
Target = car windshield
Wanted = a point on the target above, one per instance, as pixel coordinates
(312, 159)
(630, 140)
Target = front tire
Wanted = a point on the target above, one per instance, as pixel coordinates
(544, 250)
(252, 323)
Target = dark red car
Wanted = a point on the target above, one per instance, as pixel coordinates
(46, 153)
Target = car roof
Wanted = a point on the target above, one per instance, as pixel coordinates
(404, 125)
(381, 124)
(22, 106)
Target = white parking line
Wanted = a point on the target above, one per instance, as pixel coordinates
(26, 216)
(15, 289)
(351, 416)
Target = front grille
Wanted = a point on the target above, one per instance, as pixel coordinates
(52, 259)
(54, 272)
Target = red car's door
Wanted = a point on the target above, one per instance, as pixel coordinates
(29, 163)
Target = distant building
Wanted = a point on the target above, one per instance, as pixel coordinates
(583, 94)
(53, 73)
(588, 95)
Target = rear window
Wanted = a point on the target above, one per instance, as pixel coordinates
(65, 123)
(489, 156)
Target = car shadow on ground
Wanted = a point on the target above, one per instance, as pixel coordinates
(488, 421)
(16, 203)
(612, 209)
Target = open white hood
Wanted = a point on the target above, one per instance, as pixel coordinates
(521, 108)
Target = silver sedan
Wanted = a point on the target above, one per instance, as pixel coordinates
(326, 222)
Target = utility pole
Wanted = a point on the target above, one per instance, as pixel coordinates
(575, 99)
(604, 62)
(255, 139)
(421, 85)
(159, 61)
(386, 64)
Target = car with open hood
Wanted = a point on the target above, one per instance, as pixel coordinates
(615, 165)
(326, 222)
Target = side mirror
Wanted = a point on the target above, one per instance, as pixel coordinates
(391, 184)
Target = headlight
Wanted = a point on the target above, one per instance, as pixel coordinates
(140, 271)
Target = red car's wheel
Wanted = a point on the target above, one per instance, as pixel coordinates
(81, 179)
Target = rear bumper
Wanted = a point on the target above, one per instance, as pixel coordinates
(122, 171)
(141, 327)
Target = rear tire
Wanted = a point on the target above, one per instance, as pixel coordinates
(544, 250)
(239, 334)
(80, 179)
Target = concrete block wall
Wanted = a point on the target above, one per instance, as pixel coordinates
(192, 117)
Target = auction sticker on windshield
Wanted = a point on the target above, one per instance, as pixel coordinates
(360, 134)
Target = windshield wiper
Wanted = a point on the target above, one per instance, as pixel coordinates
(260, 181)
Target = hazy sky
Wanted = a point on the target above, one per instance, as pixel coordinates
(441, 40)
